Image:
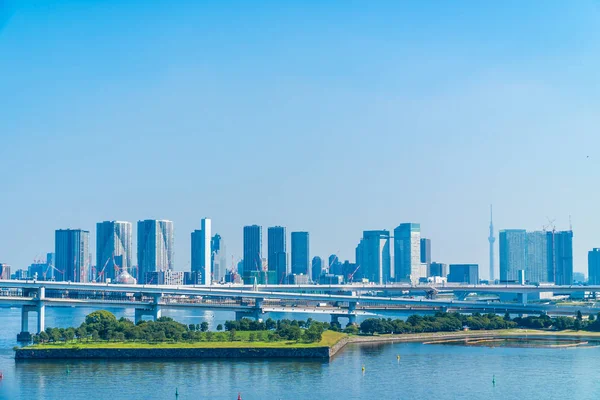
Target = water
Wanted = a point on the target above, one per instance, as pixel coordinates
(424, 371)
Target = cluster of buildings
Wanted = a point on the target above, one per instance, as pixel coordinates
(382, 256)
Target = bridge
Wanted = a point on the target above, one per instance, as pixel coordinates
(254, 301)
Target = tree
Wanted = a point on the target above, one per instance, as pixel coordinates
(192, 327)
(209, 336)
(220, 327)
(252, 337)
(507, 316)
(204, 326)
(232, 335)
(44, 336)
(352, 329)
(579, 316)
(577, 324)
(270, 324)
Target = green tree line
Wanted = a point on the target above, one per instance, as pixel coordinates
(104, 326)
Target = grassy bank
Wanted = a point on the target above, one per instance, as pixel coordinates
(329, 338)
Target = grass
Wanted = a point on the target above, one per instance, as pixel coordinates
(329, 339)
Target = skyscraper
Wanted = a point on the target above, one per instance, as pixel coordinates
(4, 271)
(219, 257)
(201, 252)
(252, 251)
(563, 257)
(71, 252)
(407, 252)
(316, 268)
(492, 240)
(154, 248)
(544, 256)
(375, 254)
(426, 253)
(277, 254)
(113, 249)
(594, 267)
(300, 253)
(513, 244)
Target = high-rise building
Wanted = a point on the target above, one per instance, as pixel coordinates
(492, 240)
(543, 256)
(219, 258)
(563, 257)
(407, 253)
(277, 254)
(201, 252)
(594, 267)
(334, 265)
(155, 240)
(113, 249)
(426, 253)
(252, 261)
(5, 271)
(464, 273)
(71, 252)
(513, 245)
(316, 268)
(300, 253)
(438, 269)
(375, 256)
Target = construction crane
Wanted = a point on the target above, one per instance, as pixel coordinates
(351, 276)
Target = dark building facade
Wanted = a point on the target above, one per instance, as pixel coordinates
(464, 273)
(300, 253)
(277, 253)
(594, 267)
(316, 268)
(72, 255)
(438, 269)
(252, 250)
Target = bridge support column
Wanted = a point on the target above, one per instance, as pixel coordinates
(351, 319)
(40, 309)
(522, 298)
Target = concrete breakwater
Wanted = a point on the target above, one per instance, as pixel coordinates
(146, 353)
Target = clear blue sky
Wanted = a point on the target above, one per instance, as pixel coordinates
(327, 116)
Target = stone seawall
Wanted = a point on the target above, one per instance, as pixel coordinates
(307, 352)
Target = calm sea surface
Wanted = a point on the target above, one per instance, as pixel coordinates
(423, 372)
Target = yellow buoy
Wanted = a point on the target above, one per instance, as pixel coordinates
(363, 368)
(398, 357)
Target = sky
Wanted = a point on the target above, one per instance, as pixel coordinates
(331, 117)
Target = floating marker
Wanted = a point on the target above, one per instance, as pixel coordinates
(363, 369)
(176, 393)
(494, 380)
(398, 357)
(68, 372)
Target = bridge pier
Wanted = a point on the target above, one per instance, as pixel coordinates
(153, 310)
(40, 309)
(522, 298)
(256, 314)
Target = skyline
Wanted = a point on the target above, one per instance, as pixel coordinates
(193, 111)
(277, 236)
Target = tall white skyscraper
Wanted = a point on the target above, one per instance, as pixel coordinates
(407, 253)
(375, 259)
(201, 251)
(113, 249)
(154, 247)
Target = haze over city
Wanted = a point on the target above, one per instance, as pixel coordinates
(287, 115)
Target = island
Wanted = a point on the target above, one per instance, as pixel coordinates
(103, 336)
